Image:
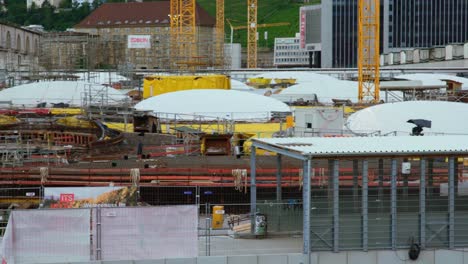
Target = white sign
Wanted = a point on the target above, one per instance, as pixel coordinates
(139, 41)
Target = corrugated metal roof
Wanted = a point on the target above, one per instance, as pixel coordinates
(370, 146)
(137, 14)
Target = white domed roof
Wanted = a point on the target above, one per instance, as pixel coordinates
(299, 76)
(446, 117)
(214, 104)
(67, 92)
(326, 91)
(240, 86)
(434, 79)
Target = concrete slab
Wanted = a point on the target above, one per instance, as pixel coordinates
(296, 259)
(212, 260)
(330, 257)
(357, 257)
(242, 260)
(273, 259)
(150, 261)
(181, 261)
(448, 256)
(392, 257)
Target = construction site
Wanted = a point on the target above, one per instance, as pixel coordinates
(173, 148)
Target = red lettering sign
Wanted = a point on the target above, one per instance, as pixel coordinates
(67, 197)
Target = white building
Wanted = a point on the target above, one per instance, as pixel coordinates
(288, 53)
(39, 3)
(18, 47)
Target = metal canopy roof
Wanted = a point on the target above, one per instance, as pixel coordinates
(315, 147)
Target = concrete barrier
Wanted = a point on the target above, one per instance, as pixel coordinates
(459, 256)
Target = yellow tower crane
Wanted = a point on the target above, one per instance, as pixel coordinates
(252, 34)
(183, 32)
(219, 33)
(174, 20)
(368, 50)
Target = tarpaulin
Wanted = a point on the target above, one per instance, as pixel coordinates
(147, 233)
(47, 236)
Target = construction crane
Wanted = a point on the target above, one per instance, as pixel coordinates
(252, 34)
(183, 32)
(219, 33)
(174, 20)
(368, 50)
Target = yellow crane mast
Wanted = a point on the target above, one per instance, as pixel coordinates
(219, 33)
(184, 32)
(174, 20)
(252, 34)
(368, 50)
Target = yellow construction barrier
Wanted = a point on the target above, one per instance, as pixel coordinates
(7, 120)
(156, 85)
(218, 217)
(72, 121)
(66, 111)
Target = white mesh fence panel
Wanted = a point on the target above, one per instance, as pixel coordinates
(47, 236)
(148, 232)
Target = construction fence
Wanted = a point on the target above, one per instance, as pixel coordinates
(400, 202)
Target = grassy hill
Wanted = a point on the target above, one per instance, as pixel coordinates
(269, 11)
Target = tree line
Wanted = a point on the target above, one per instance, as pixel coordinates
(68, 14)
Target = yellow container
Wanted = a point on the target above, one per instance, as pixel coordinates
(259, 81)
(218, 216)
(285, 81)
(156, 85)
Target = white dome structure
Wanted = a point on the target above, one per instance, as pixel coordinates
(100, 77)
(71, 93)
(300, 77)
(240, 86)
(393, 117)
(434, 79)
(325, 90)
(213, 104)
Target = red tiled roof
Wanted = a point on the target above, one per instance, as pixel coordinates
(138, 14)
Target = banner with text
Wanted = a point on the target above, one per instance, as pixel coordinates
(139, 42)
(85, 197)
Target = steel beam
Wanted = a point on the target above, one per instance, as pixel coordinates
(281, 151)
(278, 177)
(336, 206)
(355, 183)
(451, 200)
(278, 190)
(253, 187)
(422, 205)
(365, 205)
(394, 204)
(307, 166)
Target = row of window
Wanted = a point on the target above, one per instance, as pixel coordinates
(304, 53)
(7, 43)
(287, 47)
(296, 60)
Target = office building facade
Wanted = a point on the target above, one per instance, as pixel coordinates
(405, 24)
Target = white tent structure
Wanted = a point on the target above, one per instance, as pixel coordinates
(100, 77)
(434, 79)
(71, 93)
(300, 77)
(391, 118)
(212, 105)
(325, 91)
(240, 86)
